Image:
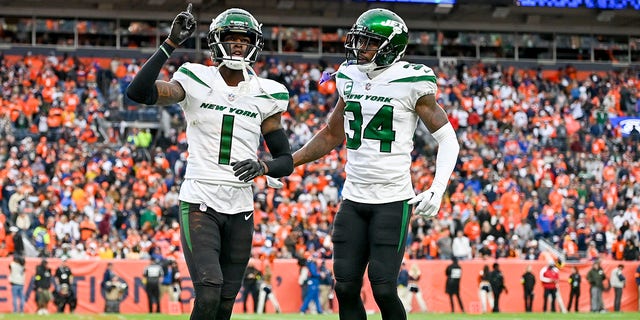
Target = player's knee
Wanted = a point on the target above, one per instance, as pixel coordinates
(348, 289)
(384, 291)
(230, 289)
(207, 298)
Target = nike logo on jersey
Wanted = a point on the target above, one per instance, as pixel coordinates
(246, 217)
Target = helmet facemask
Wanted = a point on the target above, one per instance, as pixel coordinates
(359, 43)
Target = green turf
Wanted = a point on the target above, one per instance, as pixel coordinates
(423, 316)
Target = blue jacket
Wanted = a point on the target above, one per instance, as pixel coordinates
(314, 275)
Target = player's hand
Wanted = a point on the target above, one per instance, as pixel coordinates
(247, 170)
(428, 202)
(183, 26)
(274, 183)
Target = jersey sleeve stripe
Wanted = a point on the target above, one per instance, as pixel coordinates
(278, 96)
(342, 76)
(416, 79)
(192, 76)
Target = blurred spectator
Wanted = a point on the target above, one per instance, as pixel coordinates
(631, 252)
(250, 286)
(64, 293)
(303, 276)
(42, 284)
(575, 282)
(549, 277)
(484, 289)
(313, 283)
(176, 282)
(16, 278)
(618, 282)
(496, 278)
(152, 276)
(115, 291)
(266, 291)
(107, 276)
(14, 242)
(596, 279)
(326, 287)
(461, 247)
(452, 287)
(170, 284)
(403, 287)
(414, 288)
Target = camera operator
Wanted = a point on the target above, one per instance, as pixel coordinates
(64, 294)
(115, 290)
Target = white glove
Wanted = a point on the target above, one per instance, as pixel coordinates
(428, 202)
(274, 183)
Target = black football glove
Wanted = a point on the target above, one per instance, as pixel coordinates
(183, 26)
(247, 170)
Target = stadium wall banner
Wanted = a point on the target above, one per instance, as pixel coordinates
(626, 124)
(88, 276)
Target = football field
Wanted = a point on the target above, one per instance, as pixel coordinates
(422, 316)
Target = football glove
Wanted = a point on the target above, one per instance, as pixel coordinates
(274, 183)
(183, 26)
(428, 202)
(247, 170)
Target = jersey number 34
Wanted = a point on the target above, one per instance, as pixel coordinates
(380, 127)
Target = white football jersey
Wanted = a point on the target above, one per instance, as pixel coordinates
(380, 122)
(223, 126)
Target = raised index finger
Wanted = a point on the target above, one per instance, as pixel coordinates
(189, 7)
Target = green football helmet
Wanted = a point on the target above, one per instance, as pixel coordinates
(235, 21)
(377, 30)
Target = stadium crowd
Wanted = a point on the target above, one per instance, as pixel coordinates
(540, 161)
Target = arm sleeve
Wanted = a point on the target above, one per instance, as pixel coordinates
(142, 89)
(281, 163)
(447, 156)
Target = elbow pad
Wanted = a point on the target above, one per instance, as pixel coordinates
(282, 163)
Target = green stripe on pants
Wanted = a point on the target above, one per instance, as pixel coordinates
(184, 212)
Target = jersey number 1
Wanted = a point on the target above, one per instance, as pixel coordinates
(226, 137)
(379, 128)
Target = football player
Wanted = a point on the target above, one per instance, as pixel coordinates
(227, 108)
(381, 100)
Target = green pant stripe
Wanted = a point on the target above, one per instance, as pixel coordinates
(184, 211)
(405, 220)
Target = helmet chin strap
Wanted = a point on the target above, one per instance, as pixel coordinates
(371, 69)
(367, 67)
(376, 71)
(243, 86)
